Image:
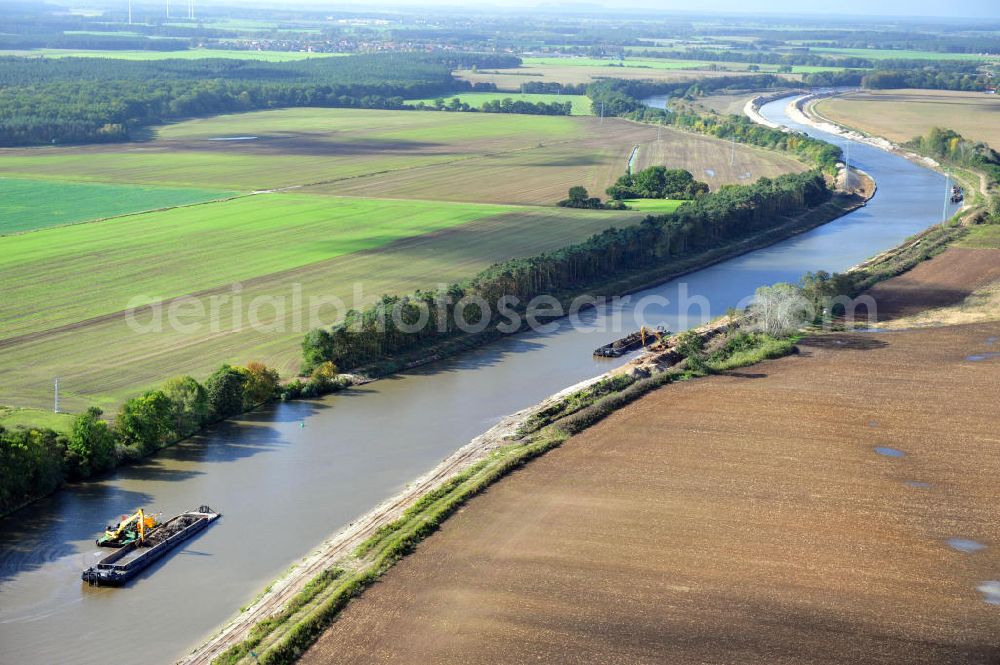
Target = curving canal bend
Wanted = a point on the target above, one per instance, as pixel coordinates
(284, 487)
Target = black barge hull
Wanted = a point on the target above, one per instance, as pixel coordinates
(636, 340)
(125, 563)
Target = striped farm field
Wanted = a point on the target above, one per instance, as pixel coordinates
(60, 276)
(316, 203)
(28, 205)
(465, 157)
(900, 115)
(294, 147)
(103, 360)
(899, 54)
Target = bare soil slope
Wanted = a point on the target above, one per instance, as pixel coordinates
(946, 280)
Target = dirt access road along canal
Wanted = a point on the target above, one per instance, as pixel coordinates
(283, 488)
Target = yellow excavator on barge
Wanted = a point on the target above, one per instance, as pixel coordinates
(131, 528)
(140, 540)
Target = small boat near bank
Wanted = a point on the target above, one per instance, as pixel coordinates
(120, 566)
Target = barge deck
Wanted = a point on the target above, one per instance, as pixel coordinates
(126, 562)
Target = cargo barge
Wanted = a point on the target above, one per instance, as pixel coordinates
(637, 340)
(128, 561)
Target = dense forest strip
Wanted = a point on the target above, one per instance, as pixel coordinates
(78, 100)
(629, 282)
(382, 334)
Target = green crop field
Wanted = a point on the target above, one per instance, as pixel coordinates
(659, 206)
(174, 252)
(104, 361)
(581, 104)
(28, 205)
(18, 417)
(900, 54)
(190, 54)
(391, 201)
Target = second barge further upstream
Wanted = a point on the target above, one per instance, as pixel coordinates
(636, 340)
(126, 562)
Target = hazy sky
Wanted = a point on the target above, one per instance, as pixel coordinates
(955, 8)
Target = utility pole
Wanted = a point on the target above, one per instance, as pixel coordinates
(944, 206)
(168, 9)
(732, 152)
(130, 12)
(847, 165)
(602, 113)
(55, 408)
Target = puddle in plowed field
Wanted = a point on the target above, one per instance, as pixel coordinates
(965, 545)
(983, 356)
(889, 452)
(991, 591)
(919, 484)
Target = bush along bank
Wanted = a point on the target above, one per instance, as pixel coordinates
(35, 461)
(284, 637)
(377, 335)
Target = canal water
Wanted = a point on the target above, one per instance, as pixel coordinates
(287, 477)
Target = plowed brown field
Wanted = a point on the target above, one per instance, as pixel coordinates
(747, 518)
(946, 280)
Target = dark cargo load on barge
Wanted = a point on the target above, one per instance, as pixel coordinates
(636, 340)
(126, 562)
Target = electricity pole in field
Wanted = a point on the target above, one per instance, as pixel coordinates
(944, 206)
(130, 12)
(55, 407)
(847, 165)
